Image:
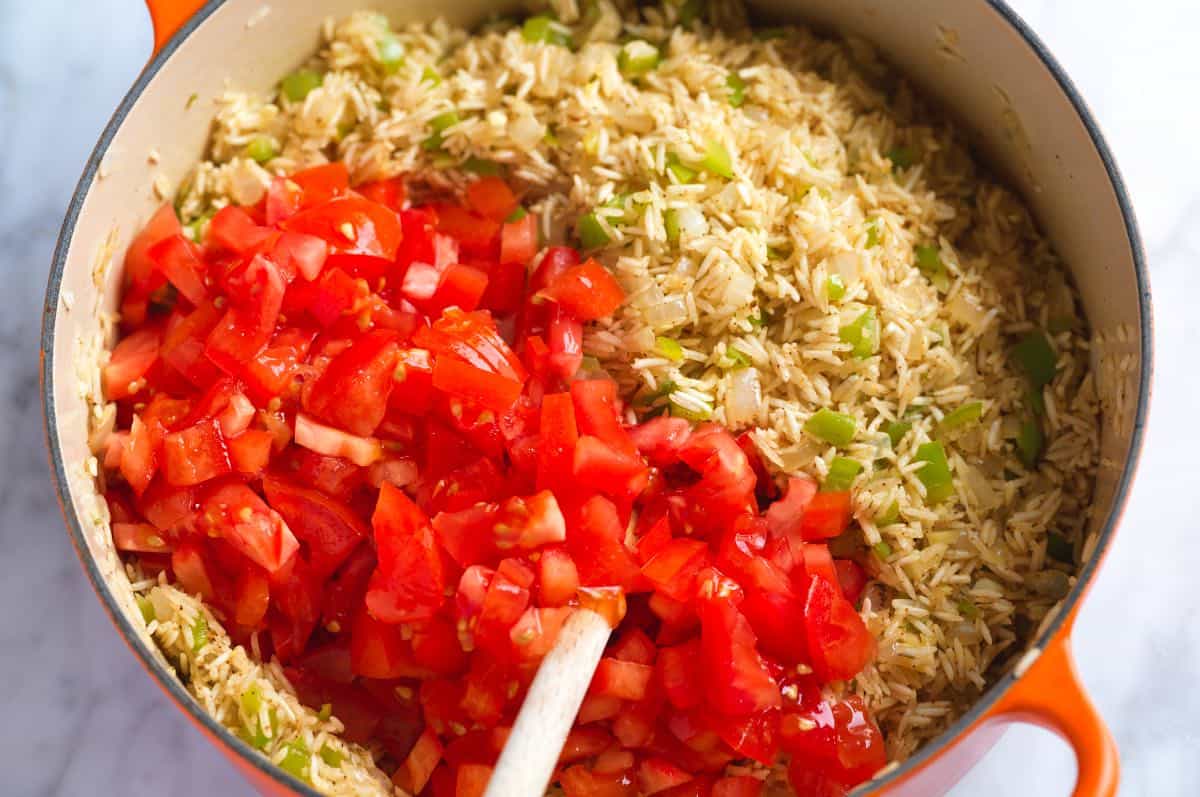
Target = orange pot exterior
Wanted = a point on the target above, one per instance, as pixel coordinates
(168, 17)
(1047, 693)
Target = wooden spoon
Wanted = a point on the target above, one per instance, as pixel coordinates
(528, 759)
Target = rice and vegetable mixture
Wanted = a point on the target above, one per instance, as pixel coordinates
(808, 251)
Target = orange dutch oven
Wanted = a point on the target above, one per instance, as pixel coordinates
(975, 56)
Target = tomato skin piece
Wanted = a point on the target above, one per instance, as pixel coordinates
(131, 359)
(456, 377)
(838, 640)
(352, 393)
(491, 198)
(408, 581)
(248, 324)
(827, 516)
(330, 530)
(168, 508)
(735, 677)
(196, 454)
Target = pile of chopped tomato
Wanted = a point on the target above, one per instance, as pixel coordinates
(357, 428)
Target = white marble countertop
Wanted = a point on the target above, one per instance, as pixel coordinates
(83, 719)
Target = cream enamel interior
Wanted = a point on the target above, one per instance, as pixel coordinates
(963, 52)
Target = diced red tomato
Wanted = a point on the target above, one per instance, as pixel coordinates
(233, 230)
(838, 640)
(236, 513)
(299, 253)
(625, 680)
(252, 597)
(737, 786)
(827, 516)
(187, 562)
(352, 225)
(736, 678)
(131, 359)
(329, 529)
(139, 537)
(320, 184)
(491, 198)
(458, 378)
(408, 582)
(851, 578)
(586, 291)
(673, 569)
(418, 767)
(250, 451)
(248, 324)
(195, 454)
(352, 393)
(318, 433)
(390, 193)
(657, 775)
(519, 240)
(596, 543)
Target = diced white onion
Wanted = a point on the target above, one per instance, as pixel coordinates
(743, 398)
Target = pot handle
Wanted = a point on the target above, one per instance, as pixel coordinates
(168, 16)
(1049, 694)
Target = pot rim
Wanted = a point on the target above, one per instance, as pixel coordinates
(169, 681)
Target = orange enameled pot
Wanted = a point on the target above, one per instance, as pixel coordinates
(976, 56)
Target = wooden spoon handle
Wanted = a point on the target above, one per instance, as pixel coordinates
(549, 710)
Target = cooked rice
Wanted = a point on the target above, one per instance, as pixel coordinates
(967, 581)
(229, 683)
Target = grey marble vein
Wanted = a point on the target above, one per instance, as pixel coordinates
(91, 723)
